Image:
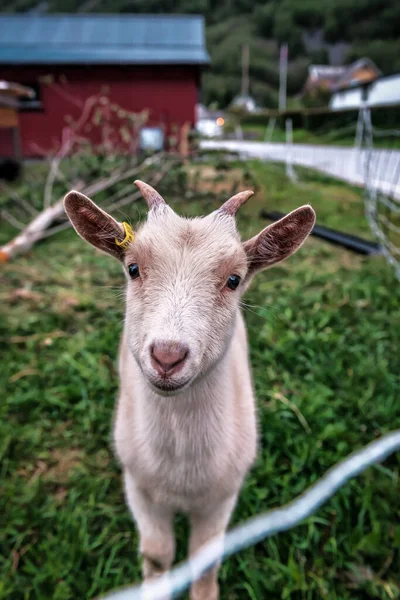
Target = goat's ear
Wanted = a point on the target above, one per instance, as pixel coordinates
(93, 224)
(279, 240)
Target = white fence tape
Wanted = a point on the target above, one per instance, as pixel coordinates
(265, 525)
(382, 202)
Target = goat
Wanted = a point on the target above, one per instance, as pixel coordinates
(185, 429)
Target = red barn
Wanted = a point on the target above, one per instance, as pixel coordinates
(139, 62)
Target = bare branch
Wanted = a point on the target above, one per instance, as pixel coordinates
(136, 195)
(13, 194)
(68, 138)
(124, 201)
(51, 177)
(32, 232)
(103, 184)
(37, 228)
(113, 206)
(66, 95)
(12, 220)
(48, 232)
(41, 225)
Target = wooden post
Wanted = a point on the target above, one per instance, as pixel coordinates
(184, 140)
(245, 69)
(9, 120)
(17, 144)
(283, 58)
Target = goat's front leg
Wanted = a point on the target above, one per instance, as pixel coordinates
(205, 526)
(155, 524)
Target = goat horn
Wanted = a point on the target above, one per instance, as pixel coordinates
(231, 206)
(152, 197)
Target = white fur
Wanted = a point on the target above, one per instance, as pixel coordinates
(189, 452)
(186, 441)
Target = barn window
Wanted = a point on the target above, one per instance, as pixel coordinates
(31, 104)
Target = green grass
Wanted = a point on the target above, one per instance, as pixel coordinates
(300, 136)
(303, 136)
(324, 337)
(335, 137)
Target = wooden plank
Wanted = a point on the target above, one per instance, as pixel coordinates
(8, 118)
(17, 144)
(8, 101)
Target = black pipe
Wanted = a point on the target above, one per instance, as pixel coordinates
(351, 242)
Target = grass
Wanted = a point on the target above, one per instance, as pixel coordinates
(300, 136)
(324, 337)
(344, 136)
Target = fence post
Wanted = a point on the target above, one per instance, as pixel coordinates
(270, 129)
(289, 149)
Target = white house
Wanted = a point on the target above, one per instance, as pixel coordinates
(385, 90)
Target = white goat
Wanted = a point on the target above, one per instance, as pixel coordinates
(185, 429)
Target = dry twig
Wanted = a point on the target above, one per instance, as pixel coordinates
(40, 226)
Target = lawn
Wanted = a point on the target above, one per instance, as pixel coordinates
(324, 336)
(344, 136)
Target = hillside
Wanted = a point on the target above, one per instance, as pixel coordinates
(336, 31)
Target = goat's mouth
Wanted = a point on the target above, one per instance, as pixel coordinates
(165, 387)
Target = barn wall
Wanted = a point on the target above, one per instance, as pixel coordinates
(170, 94)
(6, 143)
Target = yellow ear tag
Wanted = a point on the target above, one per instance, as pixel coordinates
(129, 236)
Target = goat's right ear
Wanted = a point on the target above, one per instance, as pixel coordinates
(93, 224)
(279, 240)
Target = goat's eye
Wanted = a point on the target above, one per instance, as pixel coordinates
(133, 270)
(233, 282)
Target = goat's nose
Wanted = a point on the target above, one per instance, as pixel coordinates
(168, 357)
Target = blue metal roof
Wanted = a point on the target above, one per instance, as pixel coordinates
(102, 39)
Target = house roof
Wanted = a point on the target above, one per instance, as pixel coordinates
(102, 39)
(380, 92)
(9, 88)
(326, 74)
(338, 77)
(11, 92)
(358, 64)
(202, 112)
(326, 71)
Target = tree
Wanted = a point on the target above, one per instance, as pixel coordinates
(286, 32)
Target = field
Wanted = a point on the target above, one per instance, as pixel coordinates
(344, 136)
(324, 335)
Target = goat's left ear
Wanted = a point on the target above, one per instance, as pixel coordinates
(279, 240)
(93, 224)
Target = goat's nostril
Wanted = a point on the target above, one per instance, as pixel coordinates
(168, 356)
